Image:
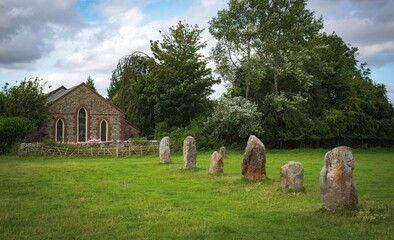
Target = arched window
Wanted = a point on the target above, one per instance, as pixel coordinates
(59, 130)
(104, 131)
(82, 125)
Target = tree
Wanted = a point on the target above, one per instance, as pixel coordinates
(90, 83)
(345, 104)
(131, 90)
(273, 34)
(263, 47)
(233, 120)
(181, 77)
(25, 100)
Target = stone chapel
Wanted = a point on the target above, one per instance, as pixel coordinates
(79, 114)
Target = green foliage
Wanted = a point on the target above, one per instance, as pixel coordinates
(283, 119)
(24, 100)
(345, 104)
(12, 130)
(131, 90)
(140, 140)
(182, 80)
(90, 83)
(307, 84)
(138, 198)
(233, 120)
(272, 35)
(178, 135)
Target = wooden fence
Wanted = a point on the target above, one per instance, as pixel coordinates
(93, 151)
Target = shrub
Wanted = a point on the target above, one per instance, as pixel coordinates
(233, 120)
(12, 130)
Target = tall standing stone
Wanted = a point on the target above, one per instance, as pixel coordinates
(253, 163)
(189, 153)
(292, 176)
(164, 150)
(216, 165)
(337, 187)
(223, 152)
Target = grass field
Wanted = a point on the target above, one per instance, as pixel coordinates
(139, 198)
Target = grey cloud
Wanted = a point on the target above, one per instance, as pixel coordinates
(29, 27)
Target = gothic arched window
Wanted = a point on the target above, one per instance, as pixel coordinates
(104, 131)
(59, 130)
(82, 125)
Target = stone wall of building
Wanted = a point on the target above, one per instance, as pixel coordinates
(97, 108)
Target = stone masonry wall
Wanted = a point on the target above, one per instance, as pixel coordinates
(97, 108)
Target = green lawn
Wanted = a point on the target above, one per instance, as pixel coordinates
(139, 198)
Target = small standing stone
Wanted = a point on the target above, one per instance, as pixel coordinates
(165, 150)
(253, 163)
(292, 176)
(216, 165)
(337, 187)
(189, 153)
(223, 152)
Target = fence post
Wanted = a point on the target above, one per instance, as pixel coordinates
(117, 151)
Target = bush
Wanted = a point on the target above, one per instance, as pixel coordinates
(12, 130)
(232, 121)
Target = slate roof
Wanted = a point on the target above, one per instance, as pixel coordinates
(58, 93)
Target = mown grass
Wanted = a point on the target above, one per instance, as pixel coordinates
(139, 198)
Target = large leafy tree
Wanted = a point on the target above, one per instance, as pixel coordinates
(345, 104)
(262, 51)
(270, 34)
(26, 100)
(308, 85)
(22, 108)
(183, 82)
(131, 90)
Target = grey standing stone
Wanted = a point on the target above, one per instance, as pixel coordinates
(253, 163)
(165, 150)
(216, 165)
(337, 187)
(292, 176)
(223, 152)
(189, 153)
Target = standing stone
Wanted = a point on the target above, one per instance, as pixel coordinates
(216, 165)
(165, 150)
(189, 153)
(292, 176)
(253, 164)
(223, 152)
(337, 187)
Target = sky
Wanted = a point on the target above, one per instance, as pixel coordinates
(65, 41)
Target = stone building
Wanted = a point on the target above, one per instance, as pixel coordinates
(79, 114)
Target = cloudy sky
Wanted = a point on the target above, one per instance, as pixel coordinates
(65, 41)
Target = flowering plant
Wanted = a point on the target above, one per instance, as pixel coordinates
(94, 140)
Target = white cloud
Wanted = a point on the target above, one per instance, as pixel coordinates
(98, 48)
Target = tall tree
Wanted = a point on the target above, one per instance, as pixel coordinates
(90, 83)
(271, 33)
(345, 104)
(131, 90)
(183, 81)
(262, 51)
